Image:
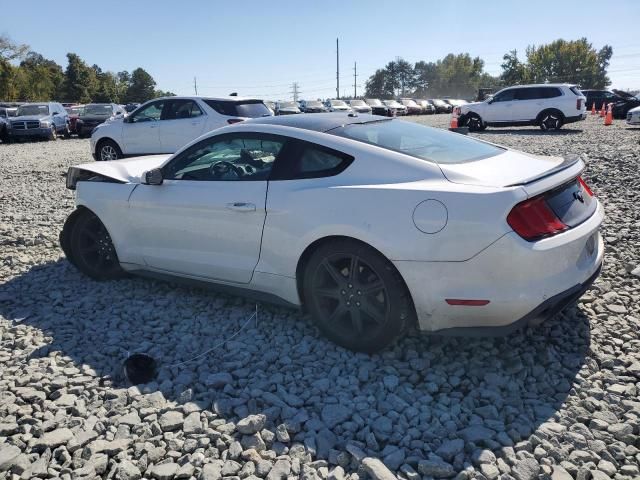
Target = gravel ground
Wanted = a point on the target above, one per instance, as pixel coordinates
(278, 401)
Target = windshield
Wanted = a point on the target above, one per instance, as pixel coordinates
(431, 144)
(74, 110)
(39, 110)
(391, 103)
(314, 103)
(288, 105)
(338, 103)
(358, 103)
(374, 102)
(411, 103)
(438, 102)
(97, 109)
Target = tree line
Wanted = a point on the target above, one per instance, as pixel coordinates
(26, 75)
(461, 75)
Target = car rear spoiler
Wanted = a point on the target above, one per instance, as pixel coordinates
(568, 161)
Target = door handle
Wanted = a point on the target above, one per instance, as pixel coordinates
(241, 207)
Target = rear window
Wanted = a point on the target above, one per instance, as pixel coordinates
(249, 108)
(430, 144)
(575, 91)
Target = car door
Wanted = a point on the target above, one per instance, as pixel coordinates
(182, 121)
(141, 132)
(499, 109)
(527, 104)
(206, 219)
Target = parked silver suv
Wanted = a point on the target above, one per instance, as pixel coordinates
(41, 120)
(548, 106)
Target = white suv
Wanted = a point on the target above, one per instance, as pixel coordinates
(547, 105)
(163, 125)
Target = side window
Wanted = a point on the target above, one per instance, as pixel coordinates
(226, 158)
(550, 92)
(308, 160)
(150, 113)
(505, 96)
(531, 93)
(181, 109)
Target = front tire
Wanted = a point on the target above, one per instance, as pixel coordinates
(90, 248)
(108, 150)
(356, 296)
(550, 120)
(54, 133)
(475, 123)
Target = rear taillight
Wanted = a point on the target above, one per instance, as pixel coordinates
(533, 219)
(579, 103)
(234, 120)
(585, 186)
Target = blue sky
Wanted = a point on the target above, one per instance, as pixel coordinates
(261, 47)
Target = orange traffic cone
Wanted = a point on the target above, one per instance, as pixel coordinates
(608, 120)
(454, 121)
(602, 111)
(593, 108)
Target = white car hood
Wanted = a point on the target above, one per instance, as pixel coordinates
(129, 170)
(634, 110)
(506, 169)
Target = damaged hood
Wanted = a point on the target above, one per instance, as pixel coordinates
(129, 170)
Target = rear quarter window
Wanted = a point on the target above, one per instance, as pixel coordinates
(250, 109)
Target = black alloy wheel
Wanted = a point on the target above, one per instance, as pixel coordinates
(356, 296)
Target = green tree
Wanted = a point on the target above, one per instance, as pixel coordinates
(80, 82)
(9, 77)
(141, 87)
(375, 85)
(561, 61)
(425, 77)
(40, 78)
(513, 70)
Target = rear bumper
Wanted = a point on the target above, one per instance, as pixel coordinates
(523, 281)
(576, 118)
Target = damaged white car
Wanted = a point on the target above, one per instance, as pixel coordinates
(371, 224)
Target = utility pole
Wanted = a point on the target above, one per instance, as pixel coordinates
(355, 76)
(295, 91)
(195, 85)
(337, 68)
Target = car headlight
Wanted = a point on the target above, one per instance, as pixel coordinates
(45, 124)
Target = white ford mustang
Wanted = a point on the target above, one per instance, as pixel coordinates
(372, 224)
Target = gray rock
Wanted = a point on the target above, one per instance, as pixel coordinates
(211, 471)
(450, 448)
(219, 380)
(334, 414)
(192, 423)
(476, 434)
(54, 438)
(526, 469)
(8, 454)
(230, 468)
(490, 471)
(376, 469)
(171, 420)
(128, 471)
(164, 471)
(280, 470)
(436, 467)
(251, 424)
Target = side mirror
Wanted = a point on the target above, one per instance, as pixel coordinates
(153, 177)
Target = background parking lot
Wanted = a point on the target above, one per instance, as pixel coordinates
(559, 398)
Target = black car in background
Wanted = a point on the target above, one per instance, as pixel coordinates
(312, 106)
(622, 101)
(378, 108)
(441, 105)
(94, 114)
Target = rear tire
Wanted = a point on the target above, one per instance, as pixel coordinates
(108, 150)
(356, 296)
(550, 120)
(88, 246)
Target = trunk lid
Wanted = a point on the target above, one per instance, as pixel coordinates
(535, 173)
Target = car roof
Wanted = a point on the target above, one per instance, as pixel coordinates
(227, 99)
(319, 122)
(543, 85)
